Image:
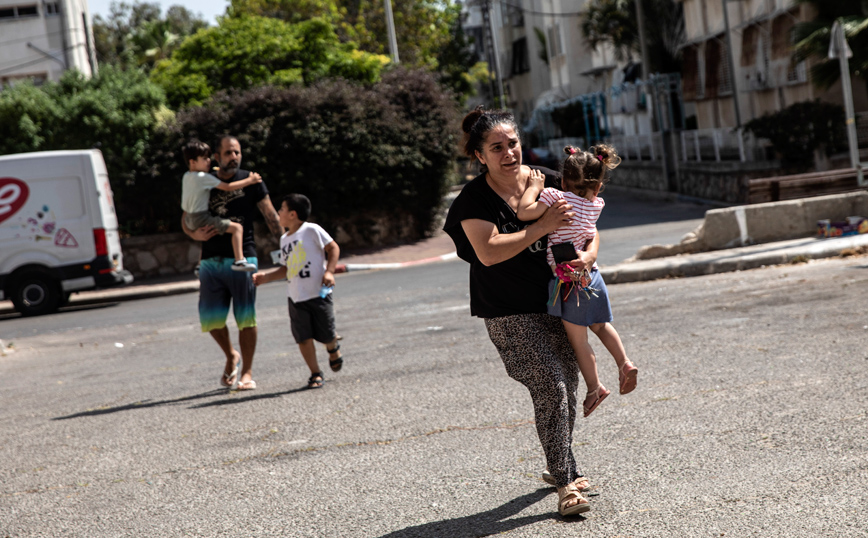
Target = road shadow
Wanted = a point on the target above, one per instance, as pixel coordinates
(494, 521)
(10, 313)
(145, 404)
(250, 396)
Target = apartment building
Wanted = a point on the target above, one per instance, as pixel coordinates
(765, 78)
(39, 40)
(545, 65)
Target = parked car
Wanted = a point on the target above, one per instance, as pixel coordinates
(58, 229)
(540, 157)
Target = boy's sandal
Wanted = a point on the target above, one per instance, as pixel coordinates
(337, 363)
(627, 374)
(594, 398)
(571, 493)
(580, 482)
(315, 381)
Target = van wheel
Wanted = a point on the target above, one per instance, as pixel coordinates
(35, 295)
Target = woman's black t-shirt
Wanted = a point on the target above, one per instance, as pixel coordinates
(518, 285)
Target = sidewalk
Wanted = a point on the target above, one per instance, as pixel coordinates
(440, 248)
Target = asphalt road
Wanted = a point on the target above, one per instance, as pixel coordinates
(750, 418)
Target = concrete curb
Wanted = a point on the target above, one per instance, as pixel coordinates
(375, 266)
(736, 259)
(687, 265)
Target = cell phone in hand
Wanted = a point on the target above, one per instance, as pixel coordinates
(564, 252)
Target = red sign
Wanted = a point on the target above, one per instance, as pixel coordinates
(13, 194)
(65, 239)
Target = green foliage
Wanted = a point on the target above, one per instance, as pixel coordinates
(796, 131)
(248, 51)
(359, 152)
(114, 111)
(428, 32)
(811, 39)
(614, 22)
(136, 35)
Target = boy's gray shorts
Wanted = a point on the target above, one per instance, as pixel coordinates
(314, 318)
(203, 218)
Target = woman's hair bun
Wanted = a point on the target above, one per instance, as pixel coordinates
(471, 118)
(571, 150)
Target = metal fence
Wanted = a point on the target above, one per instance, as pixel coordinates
(722, 144)
(642, 147)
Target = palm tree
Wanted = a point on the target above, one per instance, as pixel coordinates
(811, 39)
(614, 22)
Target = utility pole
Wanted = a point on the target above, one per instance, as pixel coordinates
(390, 25)
(838, 48)
(731, 66)
(491, 47)
(646, 66)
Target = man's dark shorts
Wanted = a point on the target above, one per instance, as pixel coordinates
(314, 318)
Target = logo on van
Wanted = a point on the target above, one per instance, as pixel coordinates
(13, 194)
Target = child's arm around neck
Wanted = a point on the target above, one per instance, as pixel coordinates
(252, 179)
(529, 208)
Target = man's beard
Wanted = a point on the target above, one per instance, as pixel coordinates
(229, 168)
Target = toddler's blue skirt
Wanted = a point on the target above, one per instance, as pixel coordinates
(588, 311)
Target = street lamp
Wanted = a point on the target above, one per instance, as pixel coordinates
(390, 25)
(839, 49)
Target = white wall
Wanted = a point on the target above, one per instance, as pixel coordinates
(42, 45)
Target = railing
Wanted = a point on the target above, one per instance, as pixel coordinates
(557, 145)
(723, 144)
(641, 147)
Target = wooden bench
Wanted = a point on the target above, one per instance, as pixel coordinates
(774, 189)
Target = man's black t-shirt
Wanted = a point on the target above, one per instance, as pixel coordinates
(237, 206)
(518, 285)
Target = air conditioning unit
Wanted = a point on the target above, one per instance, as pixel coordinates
(759, 80)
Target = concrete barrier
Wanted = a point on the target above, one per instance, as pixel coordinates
(762, 223)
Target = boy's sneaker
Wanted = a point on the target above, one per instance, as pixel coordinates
(243, 265)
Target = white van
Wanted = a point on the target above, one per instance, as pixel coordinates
(58, 229)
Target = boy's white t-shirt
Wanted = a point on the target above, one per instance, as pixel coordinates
(305, 260)
(196, 190)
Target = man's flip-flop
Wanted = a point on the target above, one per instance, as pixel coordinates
(246, 385)
(229, 379)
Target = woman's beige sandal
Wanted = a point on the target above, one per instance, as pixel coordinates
(580, 482)
(571, 493)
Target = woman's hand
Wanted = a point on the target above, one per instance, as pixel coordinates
(557, 215)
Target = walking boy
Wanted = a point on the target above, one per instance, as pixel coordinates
(195, 191)
(310, 256)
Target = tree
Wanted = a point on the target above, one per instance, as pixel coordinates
(116, 111)
(136, 35)
(811, 39)
(614, 22)
(368, 156)
(428, 32)
(248, 51)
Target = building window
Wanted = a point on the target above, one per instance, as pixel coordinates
(520, 57)
(18, 12)
(690, 70)
(713, 56)
(52, 8)
(556, 47)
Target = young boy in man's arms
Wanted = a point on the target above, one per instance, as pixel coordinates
(311, 257)
(195, 191)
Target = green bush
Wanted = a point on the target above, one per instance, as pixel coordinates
(796, 131)
(242, 52)
(358, 152)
